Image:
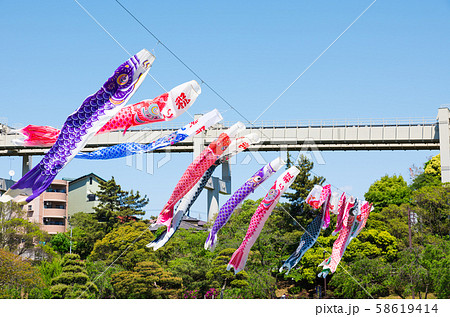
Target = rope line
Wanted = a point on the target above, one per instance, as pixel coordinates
(276, 99)
(224, 100)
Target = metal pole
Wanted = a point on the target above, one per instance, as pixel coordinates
(324, 280)
(409, 227)
(70, 249)
(410, 247)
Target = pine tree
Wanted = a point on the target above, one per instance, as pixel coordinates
(73, 282)
(147, 280)
(303, 183)
(117, 205)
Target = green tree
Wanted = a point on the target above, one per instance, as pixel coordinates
(117, 205)
(388, 191)
(431, 176)
(100, 274)
(433, 209)
(146, 280)
(186, 257)
(86, 230)
(220, 277)
(20, 236)
(17, 276)
(433, 166)
(73, 282)
(364, 278)
(60, 243)
(302, 185)
(393, 219)
(126, 244)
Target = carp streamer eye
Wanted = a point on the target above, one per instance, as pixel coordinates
(122, 79)
(256, 179)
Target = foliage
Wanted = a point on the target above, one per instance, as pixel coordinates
(146, 280)
(73, 281)
(393, 219)
(86, 230)
(117, 205)
(303, 183)
(425, 179)
(388, 191)
(100, 274)
(433, 166)
(18, 235)
(219, 276)
(433, 209)
(60, 243)
(17, 276)
(364, 278)
(127, 243)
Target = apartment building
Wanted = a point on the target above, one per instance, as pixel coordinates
(61, 200)
(50, 208)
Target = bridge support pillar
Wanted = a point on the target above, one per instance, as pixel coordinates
(26, 164)
(444, 142)
(213, 198)
(198, 141)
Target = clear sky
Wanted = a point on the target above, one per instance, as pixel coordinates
(392, 63)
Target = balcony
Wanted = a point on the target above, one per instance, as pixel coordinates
(53, 229)
(54, 196)
(54, 212)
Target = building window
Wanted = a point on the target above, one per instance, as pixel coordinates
(30, 208)
(53, 222)
(55, 190)
(90, 180)
(91, 197)
(49, 204)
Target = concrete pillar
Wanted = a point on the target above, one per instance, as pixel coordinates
(26, 164)
(198, 141)
(444, 143)
(226, 175)
(213, 199)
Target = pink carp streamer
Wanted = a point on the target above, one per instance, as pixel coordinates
(165, 107)
(196, 170)
(325, 201)
(259, 218)
(237, 145)
(355, 218)
(341, 214)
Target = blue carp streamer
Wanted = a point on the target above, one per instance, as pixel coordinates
(132, 148)
(306, 241)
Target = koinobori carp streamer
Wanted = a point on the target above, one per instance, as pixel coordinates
(132, 148)
(237, 145)
(238, 196)
(83, 124)
(196, 170)
(319, 196)
(165, 107)
(239, 257)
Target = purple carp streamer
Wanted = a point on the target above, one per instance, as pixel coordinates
(83, 124)
(260, 216)
(237, 145)
(242, 193)
(132, 148)
(165, 107)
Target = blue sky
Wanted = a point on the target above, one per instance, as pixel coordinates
(392, 63)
